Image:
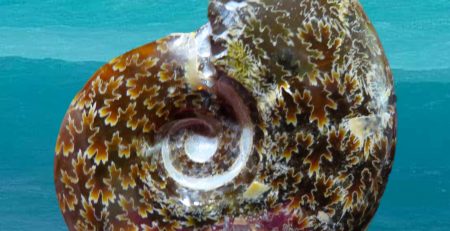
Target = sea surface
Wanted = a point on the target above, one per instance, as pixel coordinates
(49, 48)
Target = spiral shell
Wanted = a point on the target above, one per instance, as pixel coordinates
(274, 115)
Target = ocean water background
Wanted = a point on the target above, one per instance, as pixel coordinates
(49, 48)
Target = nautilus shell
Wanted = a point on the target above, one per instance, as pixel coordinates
(276, 115)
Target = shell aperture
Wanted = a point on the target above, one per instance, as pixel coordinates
(274, 115)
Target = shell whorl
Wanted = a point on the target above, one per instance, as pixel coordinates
(274, 115)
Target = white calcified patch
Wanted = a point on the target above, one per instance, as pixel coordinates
(215, 181)
(202, 43)
(198, 67)
(193, 75)
(323, 217)
(199, 148)
(182, 43)
(203, 47)
(376, 87)
(233, 5)
(365, 126)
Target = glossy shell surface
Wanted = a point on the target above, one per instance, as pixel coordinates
(276, 115)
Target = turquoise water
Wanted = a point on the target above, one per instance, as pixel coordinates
(49, 48)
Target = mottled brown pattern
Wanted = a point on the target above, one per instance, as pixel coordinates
(306, 82)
